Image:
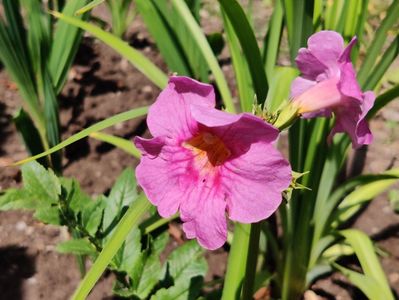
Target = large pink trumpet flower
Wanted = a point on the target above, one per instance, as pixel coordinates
(206, 163)
(328, 85)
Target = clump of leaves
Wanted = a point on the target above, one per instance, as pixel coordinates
(137, 266)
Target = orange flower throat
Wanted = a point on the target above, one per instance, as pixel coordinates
(210, 147)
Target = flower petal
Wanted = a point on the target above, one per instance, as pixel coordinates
(327, 47)
(209, 223)
(254, 182)
(352, 120)
(348, 84)
(164, 174)
(300, 85)
(238, 132)
(173, 102)
(309, 65)
(346, 54)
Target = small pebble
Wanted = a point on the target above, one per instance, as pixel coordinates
(31, 281)
(20, 226)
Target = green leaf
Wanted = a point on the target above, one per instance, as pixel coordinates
(128, 115)
(40, 183)
(138, 60)
(30, 134)
(123, 193)
(76, 197)
(92, 215)
(18, 199)
(89, 6)
(48, 215)
(355, 200)
(383, 100)
(368, 285)
(240, 65)
(280, 87)
(152, 270)
(121, 143)
(187, 267)
(180, 34)
(393, 196)
(77, 247)
(131, 258)
(382, 66)
(66, 41)
(364, 251)
(249, 45)
(129, 220)
(378, 42)
(271, 43)
(203, 45)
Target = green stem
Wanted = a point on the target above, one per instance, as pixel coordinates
(253, 250)
(237, 262)
(129, 220)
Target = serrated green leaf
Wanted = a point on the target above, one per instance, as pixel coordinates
(76, 197)
(152, 270)
(48, 215)
(40, 183)
(181, 291)
(187, 266)
(131, 255)
(77, 247)
(92, 215)
(18, 199)
(123, 193)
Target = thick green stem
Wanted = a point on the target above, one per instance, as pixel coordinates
(237, 262)
(129, 220)
(253, 250)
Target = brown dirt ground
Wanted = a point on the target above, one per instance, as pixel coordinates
(100, 85)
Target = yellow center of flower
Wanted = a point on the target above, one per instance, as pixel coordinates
(210, 147)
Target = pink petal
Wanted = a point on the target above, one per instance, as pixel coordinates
(309, 65)
(149, 147)
(208, 224)
(173, 102)
(327, 47)
(346, 54)
(348, 84)
(164, 174)
(300, 85)
(352, 120)
(238, 132)
(254, 183)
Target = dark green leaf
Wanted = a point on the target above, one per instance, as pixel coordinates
(92, 215)
(187, 266)
(249, 46)
(123, 193)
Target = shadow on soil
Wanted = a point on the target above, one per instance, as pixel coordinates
(15, 266)
(5, 120)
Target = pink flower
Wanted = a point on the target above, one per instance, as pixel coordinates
(328, 84)
(205, 163)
